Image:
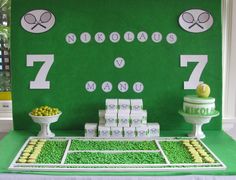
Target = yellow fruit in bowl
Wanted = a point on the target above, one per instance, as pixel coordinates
(45, 111)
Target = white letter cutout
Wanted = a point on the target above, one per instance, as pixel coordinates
(194, 79)
(40, 79)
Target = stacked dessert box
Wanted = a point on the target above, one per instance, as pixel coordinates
(123, 118)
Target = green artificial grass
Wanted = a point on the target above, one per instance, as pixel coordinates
(113, 145)
(115, 158)
(52, 152)
(176, 152)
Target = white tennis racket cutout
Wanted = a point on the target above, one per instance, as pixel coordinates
(38, 21)
(196, 20)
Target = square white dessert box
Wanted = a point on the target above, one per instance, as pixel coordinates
(144, 112)
(101, 114)
(116, 132)
(124, 104)
(111, 104)
(136, 120)
(136, 104)
(102, 122)
(129, 132)
(91, 126)
(141, 112)
(123, 119)
(104, 132)
(153, 129)
(111, 111)
(91, 129)
(124, 111)
(142, 131)
(110, 119)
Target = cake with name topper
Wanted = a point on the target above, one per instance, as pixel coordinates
(199, 109)
(200, 104)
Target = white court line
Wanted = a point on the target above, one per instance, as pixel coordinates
(119, 165)
(115, 151)
(120, 169)
(162, 152)
(204, 145)
(115, 139)
(66, 151)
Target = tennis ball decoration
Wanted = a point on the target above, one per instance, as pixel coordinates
(203, 90)
(45, 111)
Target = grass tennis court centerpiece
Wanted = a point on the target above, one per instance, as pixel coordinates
(96, 154)
(115, 158)
(112, 145)
(52, 152)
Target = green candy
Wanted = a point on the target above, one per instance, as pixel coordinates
(113, 145)
(114, 158)
(52, 152)
(176, 152)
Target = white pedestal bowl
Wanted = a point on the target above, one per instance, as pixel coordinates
(197, 121)
(44, 122)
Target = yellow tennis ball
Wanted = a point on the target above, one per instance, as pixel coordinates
(203, 90)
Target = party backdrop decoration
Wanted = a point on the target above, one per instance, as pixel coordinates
(74, 54)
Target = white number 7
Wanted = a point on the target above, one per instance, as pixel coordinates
(194, 79)
(40, 79)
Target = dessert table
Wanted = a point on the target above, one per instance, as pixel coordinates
(75, 54)
(218, 141)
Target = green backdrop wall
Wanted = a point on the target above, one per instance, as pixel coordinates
(156, 65)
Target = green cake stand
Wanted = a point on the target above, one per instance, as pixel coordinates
(197, 121)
